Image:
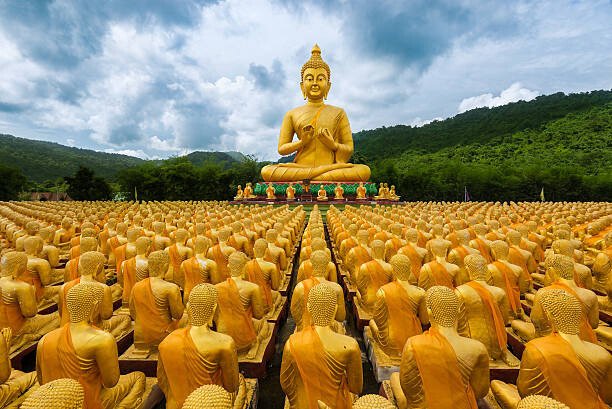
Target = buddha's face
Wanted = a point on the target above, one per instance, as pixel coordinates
(315, 84)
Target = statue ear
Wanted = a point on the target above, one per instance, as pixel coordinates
(327, 92)
(303, 90)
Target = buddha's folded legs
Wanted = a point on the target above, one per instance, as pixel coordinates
(339, 172)
(506, 395)
(525, 330)
(18, 384)
(127, 394)
(33, 329)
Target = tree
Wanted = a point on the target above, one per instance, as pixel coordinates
(12, 182)
(84, 185)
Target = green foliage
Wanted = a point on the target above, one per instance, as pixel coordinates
(84, 185)
(12, 182)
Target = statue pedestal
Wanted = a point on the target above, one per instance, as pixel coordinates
(382, 363)
(257, 367)
(362, 317)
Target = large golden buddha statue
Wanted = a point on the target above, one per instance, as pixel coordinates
(325, 142)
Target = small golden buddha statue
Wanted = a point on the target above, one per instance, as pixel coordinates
(509, 277)
(18, 306)
(274, 253)
(602, 266)
(305, 269)
(366, 402)
(266, 275)
(319, 261)
(399, 310)
(207, 356)
(14, 384)
(415, 253)
(248, 191)
(198, 269)
(562, 365)
(209, 397)
(484, 311)
(160, 240)
(361, 192)
(582, 274)
(392, 195)
(321, 194)
(220, 254)
(319, 356)
(91, 270)
(325, 142)
(178, 253)
(372, 275)
(39, 272)
(438, 271)
(134, 269)
(71, 271)
(156, 306)
(238, 240)
(441, 369)
(338, 192)
(49, 251)
(61, 393)
(241, 309)
(65, 234)
(81, 351)
(290, 192)
(126, 250)
(358, 255)
(270, 192)
(239, 193)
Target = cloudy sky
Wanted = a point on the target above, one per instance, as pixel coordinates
(155, 78)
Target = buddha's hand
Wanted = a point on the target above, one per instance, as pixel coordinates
(327, 140)
(307, 135)
(7, 334)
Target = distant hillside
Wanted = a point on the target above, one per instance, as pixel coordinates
(478, 126)
(40, 160)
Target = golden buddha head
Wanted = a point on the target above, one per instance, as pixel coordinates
(442, 306)
(560, 266)
(33, 245)
(271, 236)
(401, 267)
(260, 247)
(499, 249)
(83, 301)
(209, 397)
(412, 235)
(363, 236)
(158, 227)
(13, 264)
(202, 304)
(322, 304)
(224, 234)
(318, 244)
(61, 393)
(121, 228)
(236, 263)
(439, 247)
(320, 260)
(378, 249)
(88, 232)
(563, 247)
(372, 402)
(201, 245)
(92, 263)
(315, 77)
(46, 233)
(540, 402)
(181, 236)
(563, 310)
(32, 228)
(143, 244)
(513, 237)
(88, 244)
(159, 262)
(463, 237)
(476, 266)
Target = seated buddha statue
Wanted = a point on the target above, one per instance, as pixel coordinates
(305, 269)
(414, 252)
(392, 195)
(81, 351)
(156, 305)
(318, 363)
(481, 243)
(14, 384)
(65, 234)
(358, 255)
(71, 271)
(602, 266)
(91, 270)
(241, 309)
(39, 272)
(49, 251)
(207, 356)
(18, 306)
(220, 253)
(125, 250)
(239, 240)
(325, 141)
(441, 369)
(399, 310)
(484, 311)
(395, 241)
(582, 274)
(372, 275)
(274, 253)
(509, 277)
(321, 194)
(290, 192)
(338, 192)
(178, 253)
(319, 262)
(562, 365)
(266, 275)
(134, 269)
(160, 240)
(31, 230)
(270, 192)
(198, 269)
(438, 271)
(458, 254)
(239, 193)
(61, 393)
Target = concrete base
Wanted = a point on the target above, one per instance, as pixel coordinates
(256, 367)
(362, 317)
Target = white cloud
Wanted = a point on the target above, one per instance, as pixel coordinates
(130, 152)
(513, 93)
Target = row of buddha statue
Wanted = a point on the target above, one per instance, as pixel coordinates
(401, 260)
(488, 256)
